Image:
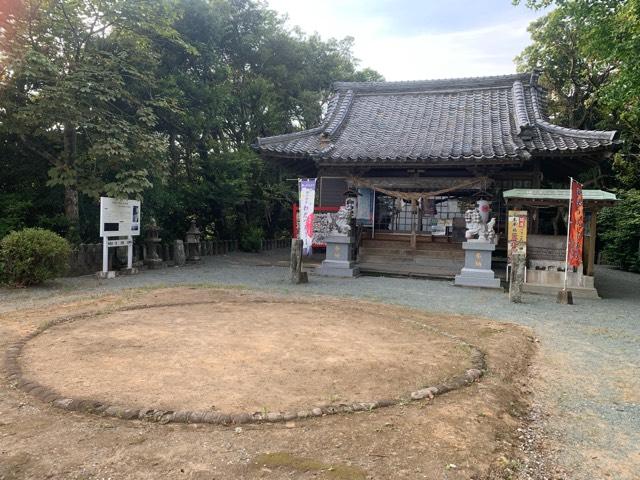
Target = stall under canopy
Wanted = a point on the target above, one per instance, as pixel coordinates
(546, 253)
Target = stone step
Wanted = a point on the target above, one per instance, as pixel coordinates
(373, 268)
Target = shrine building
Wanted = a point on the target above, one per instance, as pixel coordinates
(420, 153)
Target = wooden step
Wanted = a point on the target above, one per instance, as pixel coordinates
(407, 236)
(406, 244)
(408, 253)
(419, 261)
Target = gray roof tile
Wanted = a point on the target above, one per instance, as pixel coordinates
(486, 118)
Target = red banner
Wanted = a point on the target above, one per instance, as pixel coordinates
(576, 226)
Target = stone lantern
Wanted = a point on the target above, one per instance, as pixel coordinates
(152, 242)
(192, 243)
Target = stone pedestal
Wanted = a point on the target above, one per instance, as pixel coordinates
(477, 266)
(339, 261)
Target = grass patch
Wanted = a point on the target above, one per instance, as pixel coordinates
(303, 464)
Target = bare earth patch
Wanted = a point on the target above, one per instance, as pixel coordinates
(470, 433)
(240, 352)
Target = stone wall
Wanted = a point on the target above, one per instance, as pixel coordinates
(86, 258)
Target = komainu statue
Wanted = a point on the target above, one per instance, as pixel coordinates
(335, 223)
(477, 229)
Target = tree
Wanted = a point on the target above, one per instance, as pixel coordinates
(158, 99)
(572, 76)
(588, 51)
(78, 90)
(620, 230)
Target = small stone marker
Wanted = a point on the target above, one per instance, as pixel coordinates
(517, 277)
(297, 275)
(179, 256)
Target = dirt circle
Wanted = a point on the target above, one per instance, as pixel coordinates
(233, 352)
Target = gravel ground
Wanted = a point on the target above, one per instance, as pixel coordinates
(587, 391)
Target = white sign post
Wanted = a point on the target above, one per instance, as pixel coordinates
(118, 218)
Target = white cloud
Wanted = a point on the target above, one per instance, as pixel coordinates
(483, 51)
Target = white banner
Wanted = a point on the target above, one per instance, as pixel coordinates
(307, 190)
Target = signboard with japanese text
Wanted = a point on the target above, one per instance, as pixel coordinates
(516, 233)
(119, 217)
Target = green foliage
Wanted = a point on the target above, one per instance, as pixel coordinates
(588, 51)
(33, 255)
(159, 100)
(251, 239)
(573, 76)
(620, 231)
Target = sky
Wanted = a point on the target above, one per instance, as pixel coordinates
(420, 39)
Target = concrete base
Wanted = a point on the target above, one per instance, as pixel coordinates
(471, 277)
(105, 275)
(477, 266)
(336, 268)
(565, 297)
(114, 274)
(128, 271)
(545, 289)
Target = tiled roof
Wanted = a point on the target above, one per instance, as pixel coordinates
(497, 119)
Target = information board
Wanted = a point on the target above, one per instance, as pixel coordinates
(119, 217)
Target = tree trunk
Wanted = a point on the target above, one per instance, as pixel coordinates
(71, 210)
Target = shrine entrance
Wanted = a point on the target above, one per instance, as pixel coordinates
(414, 233)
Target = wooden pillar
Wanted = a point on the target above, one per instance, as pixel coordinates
(591, 254)
(295, 267)
(516, 280)
(414, 215)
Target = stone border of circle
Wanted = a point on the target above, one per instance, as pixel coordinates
(50, 396)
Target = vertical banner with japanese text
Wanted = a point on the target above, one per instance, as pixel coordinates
(516, 233)
(307, 188)
(576, 226)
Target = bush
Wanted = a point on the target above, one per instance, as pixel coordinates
(251, 239)
(33, 255)
(619, 229)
